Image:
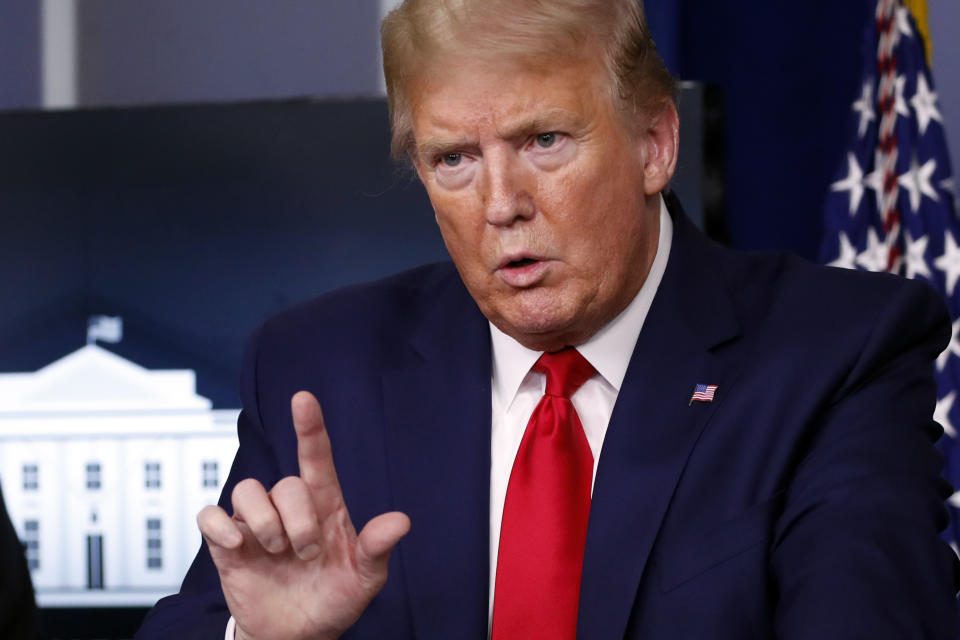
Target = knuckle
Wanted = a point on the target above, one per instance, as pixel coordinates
(308, 551)
(302, 530)
(244, 490)
(207, 516)
(263, 522)
(287, 487)
(208, 512)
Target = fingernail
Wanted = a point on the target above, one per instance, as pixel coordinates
(275, 545)
(310, 552)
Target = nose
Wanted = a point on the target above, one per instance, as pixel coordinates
(505, 192)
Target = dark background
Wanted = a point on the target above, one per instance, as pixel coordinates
(788, 73)
(194, 223)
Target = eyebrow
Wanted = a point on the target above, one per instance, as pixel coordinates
(441, 146)
(546, 121)
(543, 122)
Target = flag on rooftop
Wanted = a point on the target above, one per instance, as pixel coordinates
(104, 329)
(893, 204)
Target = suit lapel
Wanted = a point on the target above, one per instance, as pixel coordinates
(687, 339)
(437, 417)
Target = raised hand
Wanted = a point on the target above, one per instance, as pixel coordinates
(290, 561)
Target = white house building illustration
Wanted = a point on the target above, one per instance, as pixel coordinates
(104, 466)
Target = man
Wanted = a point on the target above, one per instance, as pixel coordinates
(746, 450)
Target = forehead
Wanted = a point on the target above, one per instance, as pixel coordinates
(474, 98)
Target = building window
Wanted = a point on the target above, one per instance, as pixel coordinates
(151, 475)
(31, 543)
(93, 476)
(31, 477)
(154, 544)
(210, 479)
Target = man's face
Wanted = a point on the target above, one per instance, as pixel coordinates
(546, 202)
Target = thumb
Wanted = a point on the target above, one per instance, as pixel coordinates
(374, 545)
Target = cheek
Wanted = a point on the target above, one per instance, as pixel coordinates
(563, 197)
(461, 230)
(601, 225)
(579, 200)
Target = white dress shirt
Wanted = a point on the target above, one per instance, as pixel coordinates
(516, 390)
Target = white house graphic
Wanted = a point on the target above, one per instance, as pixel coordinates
(104, 466)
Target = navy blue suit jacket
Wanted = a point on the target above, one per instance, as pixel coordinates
(803, 502)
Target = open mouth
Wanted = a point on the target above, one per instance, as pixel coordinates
(523, 272)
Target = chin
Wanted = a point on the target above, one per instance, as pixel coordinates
(539, 331)
(537, 317)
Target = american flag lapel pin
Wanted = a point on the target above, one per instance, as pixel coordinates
(703, 393)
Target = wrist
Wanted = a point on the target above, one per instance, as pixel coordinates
(234, 632)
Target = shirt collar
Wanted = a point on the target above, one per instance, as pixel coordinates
(609, 351)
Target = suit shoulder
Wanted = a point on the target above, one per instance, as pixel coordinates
(364, 317)
(784, 281)
(351, 334)
(388, 304)
(824, 308)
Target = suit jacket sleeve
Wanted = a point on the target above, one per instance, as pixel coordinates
(856, 552)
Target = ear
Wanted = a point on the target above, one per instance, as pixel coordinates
(661, 141)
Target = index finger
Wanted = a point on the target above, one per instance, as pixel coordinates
(314, 453)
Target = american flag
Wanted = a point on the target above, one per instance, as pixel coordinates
(703, 393)
(893, 206)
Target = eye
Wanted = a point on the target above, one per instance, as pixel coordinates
(452, 159)
(546, 140)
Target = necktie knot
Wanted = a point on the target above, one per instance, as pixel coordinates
(566, 371)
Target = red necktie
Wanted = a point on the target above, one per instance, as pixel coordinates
(545, 514)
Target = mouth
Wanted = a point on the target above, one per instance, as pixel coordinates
(522, 262)
(518, 260)
(522, 271)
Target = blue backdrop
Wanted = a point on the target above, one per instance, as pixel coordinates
(788, 72)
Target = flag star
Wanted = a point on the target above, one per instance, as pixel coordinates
(864, 106)
(917, 181)
(903, 22)
(852, 183)
(848, 254)
(916, 262)
(925, 104)
(876, 255)
(953, 349)
(949, 262)
(900, 105)
(874, 179)
(942, 415)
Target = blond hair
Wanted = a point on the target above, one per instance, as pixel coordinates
(421, 33)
